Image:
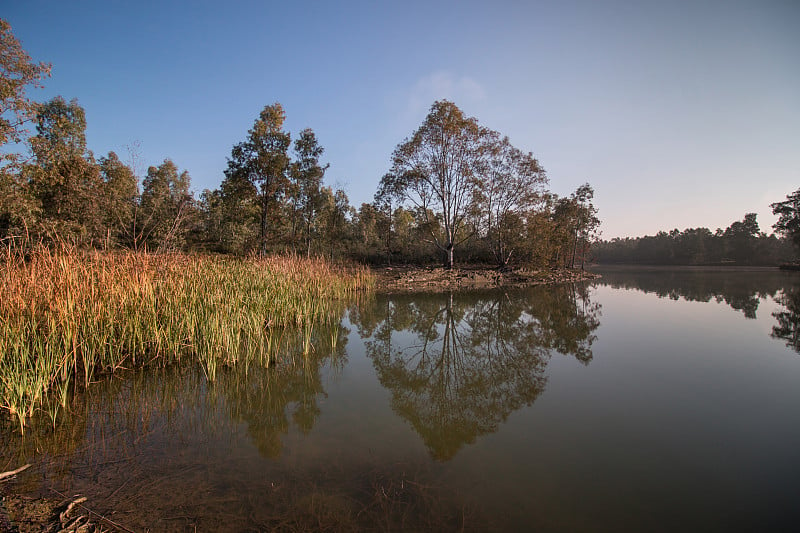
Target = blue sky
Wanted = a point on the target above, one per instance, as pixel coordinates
(680, 114)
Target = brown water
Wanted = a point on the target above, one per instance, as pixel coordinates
(648, 401)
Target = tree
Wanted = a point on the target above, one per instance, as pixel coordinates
(438, 171)
(368, 225)
(788, 212)
(120, 192)
(564, 230)
(541, 233)
(65, 178)
(334, 220)
(741, 239)
(514, 183)
(19, 208)
(384, 217)
(165, 206)
(307, 175)
(575, 224)
(586, 223)
(17, 71)
(260, 164)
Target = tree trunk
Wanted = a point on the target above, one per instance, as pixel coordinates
(574, 249)
(263, 235)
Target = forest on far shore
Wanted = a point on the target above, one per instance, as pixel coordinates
(741, 243)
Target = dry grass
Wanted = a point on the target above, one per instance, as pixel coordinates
(66, 316)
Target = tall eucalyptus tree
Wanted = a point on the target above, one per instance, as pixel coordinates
(438, 170)
(259, 166)
(306, 173)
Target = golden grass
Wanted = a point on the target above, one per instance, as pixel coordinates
(67, 316)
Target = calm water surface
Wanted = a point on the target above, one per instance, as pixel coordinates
(652, 400)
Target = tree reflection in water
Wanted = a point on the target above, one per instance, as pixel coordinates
(265, 399)
(179, 401)
(742, 290)
(788, 327)
(458, 364)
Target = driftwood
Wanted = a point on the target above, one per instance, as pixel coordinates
(88, 526)
(12, 473)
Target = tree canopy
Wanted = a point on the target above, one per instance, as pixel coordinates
(788, 211)
(17, 72)
(259, 166)
(465, 182)
(438, 170)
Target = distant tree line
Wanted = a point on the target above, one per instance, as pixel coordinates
(741, 243)
(455, 189)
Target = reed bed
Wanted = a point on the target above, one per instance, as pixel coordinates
(67, 316)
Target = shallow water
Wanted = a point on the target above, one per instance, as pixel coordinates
(655, 400)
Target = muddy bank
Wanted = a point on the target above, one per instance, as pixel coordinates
(436, 279)
(389, 498)
(22, 513)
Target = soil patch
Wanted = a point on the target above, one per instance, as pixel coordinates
(409, 278)
(20, 513)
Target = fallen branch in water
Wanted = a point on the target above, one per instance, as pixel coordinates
(12, 473)
(79, 503)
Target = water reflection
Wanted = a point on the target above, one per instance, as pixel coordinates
(788, 327)
(458, 364)
(170, 442)
(121, 410)
(269, 400)
(742, 290)
(264, 448)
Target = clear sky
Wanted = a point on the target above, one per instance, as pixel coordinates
(680, 114)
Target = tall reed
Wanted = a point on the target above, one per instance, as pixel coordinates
(69, 315)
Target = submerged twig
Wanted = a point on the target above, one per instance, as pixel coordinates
(79, 503)
(12, 473)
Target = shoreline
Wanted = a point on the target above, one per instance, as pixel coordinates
(412, 278)
(627, 267)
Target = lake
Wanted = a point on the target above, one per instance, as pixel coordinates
(648, 400)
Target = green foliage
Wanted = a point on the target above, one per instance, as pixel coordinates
(17, 71)
(741, 243)
(513, 186)
(467, 185)
(258, 169)
(788, 223)
(165, 208)
(453, 184)
(19, 208)
(438, 171)
(120, 193)
(64, 177)
(306, 195)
